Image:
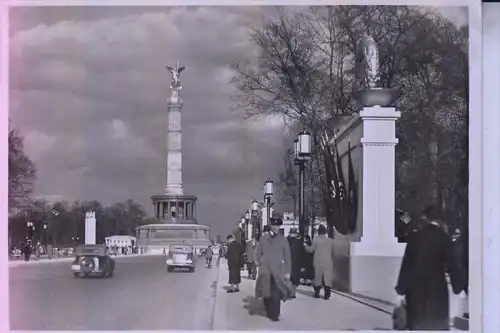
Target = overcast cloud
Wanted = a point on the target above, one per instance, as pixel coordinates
(88, 90)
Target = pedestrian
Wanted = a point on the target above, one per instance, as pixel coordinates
(322, 250)
(37, 251)
(208, 255)
(307, 259)
(296, 254)
(234, 256)
(250, 252)
(265, 230)
(422, 280)
(27, 252)
(273, 281)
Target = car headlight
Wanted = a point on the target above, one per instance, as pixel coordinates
(189, 261)
(169, 261)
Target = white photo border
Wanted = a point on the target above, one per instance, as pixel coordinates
(478, 209)
(491, 166)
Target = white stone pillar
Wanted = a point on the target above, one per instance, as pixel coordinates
(90, 228)
(378, 254)
(174, 146)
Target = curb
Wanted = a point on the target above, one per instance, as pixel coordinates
(65, 259)
(217, 312)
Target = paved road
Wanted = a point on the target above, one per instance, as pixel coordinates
(140, 296)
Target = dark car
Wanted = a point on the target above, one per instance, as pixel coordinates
(92, 260)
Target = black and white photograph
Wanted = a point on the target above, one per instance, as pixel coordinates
(246, 167)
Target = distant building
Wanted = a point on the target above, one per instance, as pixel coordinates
(291, 222)
(120, 240)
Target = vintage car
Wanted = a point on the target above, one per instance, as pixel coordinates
(180, 256)
(92, 260)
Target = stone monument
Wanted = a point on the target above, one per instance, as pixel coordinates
(175, 210)
(378, 253)
(90, 228)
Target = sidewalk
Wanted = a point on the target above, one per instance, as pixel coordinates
(303, 313)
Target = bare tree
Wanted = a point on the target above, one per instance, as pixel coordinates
(304, 73)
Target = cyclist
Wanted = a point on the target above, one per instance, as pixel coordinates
(208, 255)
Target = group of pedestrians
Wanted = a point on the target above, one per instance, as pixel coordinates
(277, 265)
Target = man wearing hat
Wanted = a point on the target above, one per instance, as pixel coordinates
(273, 258)
(322, 249)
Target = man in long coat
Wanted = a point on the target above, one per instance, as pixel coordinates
(428, 257)
(273, 258)
(296, 254)
(322, 248)
(234, 256)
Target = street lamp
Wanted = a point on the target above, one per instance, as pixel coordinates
(256, 227)
(45, 234)
(31, 230)
(242, 225)
(255, 206)
(302, 154)
(249, 225)
(268, 194)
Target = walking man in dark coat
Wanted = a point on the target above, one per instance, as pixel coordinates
(234, 256)
(422, 277)
(296, 254)
(273, 259)
(27, 252)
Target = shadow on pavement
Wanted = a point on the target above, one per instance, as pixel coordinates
(254, 306)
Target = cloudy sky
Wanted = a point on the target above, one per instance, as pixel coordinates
(88, 90)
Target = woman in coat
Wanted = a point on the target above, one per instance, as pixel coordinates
(322, 248)
(422, 277)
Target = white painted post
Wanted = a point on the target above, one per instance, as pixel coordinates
(90, 228)
(378, 242)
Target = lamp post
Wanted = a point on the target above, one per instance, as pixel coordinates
(302, 154)
(51, 232)
(268, 194)
(254, 209)
(243, 228)
(45, 234)
(75, 241)
(249, 226)
(31, 230)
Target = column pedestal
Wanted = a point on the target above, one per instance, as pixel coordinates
(376, 258)
(90, 228)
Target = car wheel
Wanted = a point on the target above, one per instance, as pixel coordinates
(76, 275)
(110, 274)
(170, 269)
